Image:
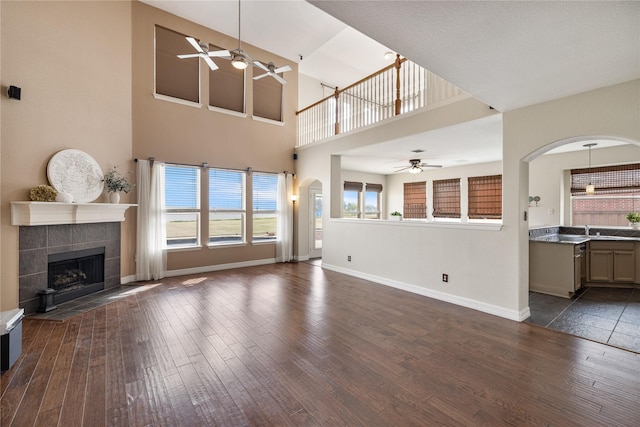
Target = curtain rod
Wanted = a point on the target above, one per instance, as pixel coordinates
(206, 165)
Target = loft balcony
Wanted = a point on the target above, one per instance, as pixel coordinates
(400, 88)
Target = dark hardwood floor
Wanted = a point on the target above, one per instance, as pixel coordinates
(292, 344)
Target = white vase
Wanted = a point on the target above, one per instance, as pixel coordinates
(114, 197)
(634, 224)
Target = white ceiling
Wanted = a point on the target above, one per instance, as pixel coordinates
(506, 54)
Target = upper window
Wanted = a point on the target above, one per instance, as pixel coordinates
(617, 192)
(372, 201)
(415, 200)
(182, 206)
(226, 86)
(265, 206)
(175, 77)
(226, 206)
(351, 203)
(267, 97)
(446, 198)
(485, 197)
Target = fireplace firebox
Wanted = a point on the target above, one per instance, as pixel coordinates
(76, 273)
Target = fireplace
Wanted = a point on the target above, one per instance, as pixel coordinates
(76, 273)
(44, 244)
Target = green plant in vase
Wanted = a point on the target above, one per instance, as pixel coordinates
(116, 183)
(634, 219)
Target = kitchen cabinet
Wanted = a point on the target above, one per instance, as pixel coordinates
(612, 262)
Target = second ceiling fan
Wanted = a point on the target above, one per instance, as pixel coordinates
(415, 166)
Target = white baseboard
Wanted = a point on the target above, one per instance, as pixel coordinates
(127, 279)
(518, 316)
(219, 267)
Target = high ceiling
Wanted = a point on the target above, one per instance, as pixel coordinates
(506, 54)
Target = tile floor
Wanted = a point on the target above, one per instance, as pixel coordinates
(607, 315)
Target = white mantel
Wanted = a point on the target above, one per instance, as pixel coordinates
(54, 213)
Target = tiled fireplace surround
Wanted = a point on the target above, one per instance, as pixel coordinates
(38, 242)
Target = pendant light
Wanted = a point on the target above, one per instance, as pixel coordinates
(239, 59)
(590, 188)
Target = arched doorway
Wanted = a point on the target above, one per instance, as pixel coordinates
(597, 311)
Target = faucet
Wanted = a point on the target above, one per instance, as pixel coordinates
(586, 230)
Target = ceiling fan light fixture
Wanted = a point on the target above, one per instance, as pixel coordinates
(239, 61)
(415, 169)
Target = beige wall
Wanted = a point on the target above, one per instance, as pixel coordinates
(179, 133)
(73, 63)
(86, 72)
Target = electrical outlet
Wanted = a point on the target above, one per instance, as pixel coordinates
(445, 278)
(349, 258)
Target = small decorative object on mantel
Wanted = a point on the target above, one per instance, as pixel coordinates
(63, 197)
(43, 193)
(395, 216)
(116, 183)
(634, 219)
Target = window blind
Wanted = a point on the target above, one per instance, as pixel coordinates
(619, 179)
(226, 86)
(265, 191)
(374, 188)
(352, 186)
(485, 197)
(175, 77)
(226, 189)
(415, 199)
(182, 187)
(446, 198)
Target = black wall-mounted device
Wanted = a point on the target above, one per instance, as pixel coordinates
(14, 92)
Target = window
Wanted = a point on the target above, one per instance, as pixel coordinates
(372, 201)
(226, 206)
(267, 97)
(617, 194)
(485, 197)
(175, 77)
(265, 206)
(446, 198)
(415, 200)
(351, 199)
(182, 206)
(226, 86)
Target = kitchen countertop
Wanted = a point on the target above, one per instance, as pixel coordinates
(575, 239)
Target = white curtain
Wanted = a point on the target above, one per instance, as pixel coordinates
(284, 245)
(151, 258)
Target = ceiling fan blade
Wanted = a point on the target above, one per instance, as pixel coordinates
(261, 65)
(426, 165)
(210, 63)
(260, 76)
(220, 53)
(278, 78)
(190, 55)
(195, 44)
(282, 69)
(403, 168)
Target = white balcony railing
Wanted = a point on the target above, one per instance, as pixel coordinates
(399, 88)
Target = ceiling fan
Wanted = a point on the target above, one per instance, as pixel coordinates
(415, 166)
(272, 71)
(241, 59)
(203, 52)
